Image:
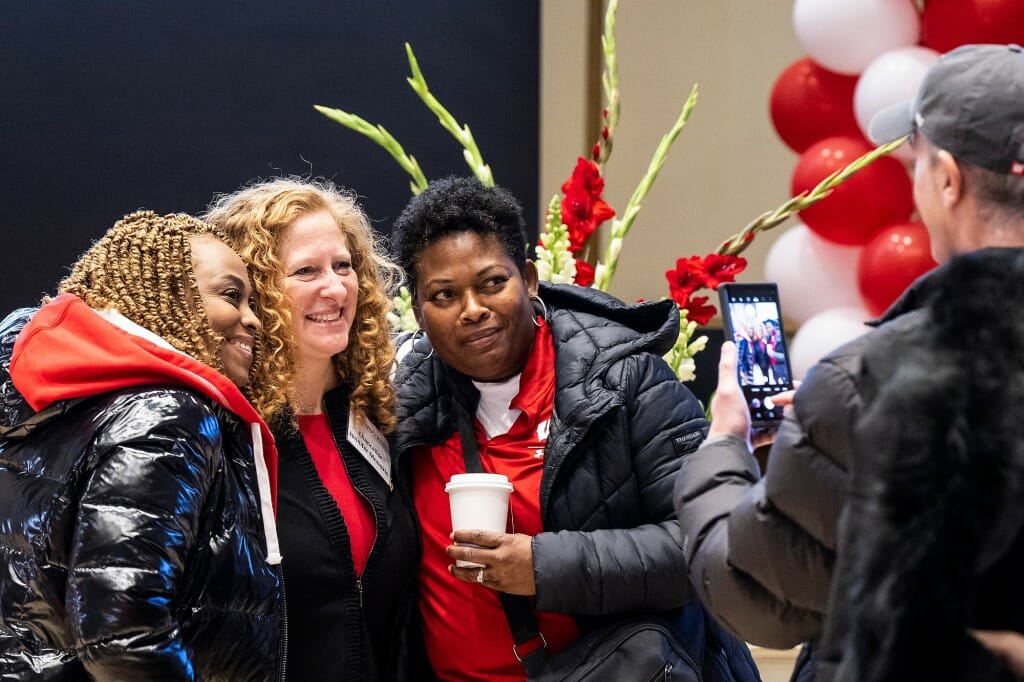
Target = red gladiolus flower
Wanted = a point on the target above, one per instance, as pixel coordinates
(584, 273)
(698, 311)
(681, 284)
(713, 269)
(583, 209)
(695, 273)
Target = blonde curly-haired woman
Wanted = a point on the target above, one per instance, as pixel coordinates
(348, 535)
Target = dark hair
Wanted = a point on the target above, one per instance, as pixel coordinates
(458, 204)
(995, 192)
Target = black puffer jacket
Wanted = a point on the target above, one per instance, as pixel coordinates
(620, 424)
(132, 544)
(931, 542)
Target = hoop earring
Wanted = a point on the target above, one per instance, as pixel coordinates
(544, 309)
(419, 333)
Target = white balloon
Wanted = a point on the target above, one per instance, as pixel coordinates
(892, 77)
(846, 35)
(813, 274)
(822, 334)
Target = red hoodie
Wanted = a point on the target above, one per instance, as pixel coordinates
(68, 350)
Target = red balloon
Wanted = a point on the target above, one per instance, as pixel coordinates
(809, 103)
(893, 259)
(879, 195)
(946, 24)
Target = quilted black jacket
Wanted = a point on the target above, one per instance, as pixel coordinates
(621, 422)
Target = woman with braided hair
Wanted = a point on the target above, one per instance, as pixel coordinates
(136, 480)
(347, 532)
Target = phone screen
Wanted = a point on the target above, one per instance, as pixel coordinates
(753, 321)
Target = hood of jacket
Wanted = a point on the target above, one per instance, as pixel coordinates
(66, 351)
(591, 331)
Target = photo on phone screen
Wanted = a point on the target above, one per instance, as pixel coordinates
(753, 321)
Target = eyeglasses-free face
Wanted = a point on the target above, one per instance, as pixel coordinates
(474, 305)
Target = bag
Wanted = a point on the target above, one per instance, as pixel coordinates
(688, 648)
(640, 649)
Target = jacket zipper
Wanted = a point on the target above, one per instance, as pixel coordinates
(376, 518)
(284, 624)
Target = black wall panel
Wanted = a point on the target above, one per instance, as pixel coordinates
(107, 106)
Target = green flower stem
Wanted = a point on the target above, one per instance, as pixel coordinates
(383, 138)
(461, 133)
(610, 85)
(769, 219)
(620, 226)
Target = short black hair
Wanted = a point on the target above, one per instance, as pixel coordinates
(458, 204)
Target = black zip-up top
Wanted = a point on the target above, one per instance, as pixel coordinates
(342, 626)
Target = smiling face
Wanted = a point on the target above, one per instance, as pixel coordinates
(321, 285)
(224, 287)
(474, 305)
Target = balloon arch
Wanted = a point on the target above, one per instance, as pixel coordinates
(858, 249)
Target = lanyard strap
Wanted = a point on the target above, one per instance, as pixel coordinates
(518, 611)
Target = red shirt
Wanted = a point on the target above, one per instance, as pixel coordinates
(466, 633)
(355, 511)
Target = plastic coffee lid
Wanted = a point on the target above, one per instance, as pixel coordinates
(478, 481)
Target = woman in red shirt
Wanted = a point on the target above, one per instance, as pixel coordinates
(566, 394)
(347, 536)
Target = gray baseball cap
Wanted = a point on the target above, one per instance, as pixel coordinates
(971, 103)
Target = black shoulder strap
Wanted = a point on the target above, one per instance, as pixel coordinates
(518, 610)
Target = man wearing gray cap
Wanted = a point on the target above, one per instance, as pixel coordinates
(762, 551)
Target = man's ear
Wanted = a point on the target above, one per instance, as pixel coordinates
(531, 278)
(952, 179)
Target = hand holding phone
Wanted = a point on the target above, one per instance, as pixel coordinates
(753, 321)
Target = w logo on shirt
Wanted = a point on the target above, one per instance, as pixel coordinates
(542, 437)
(542, 430)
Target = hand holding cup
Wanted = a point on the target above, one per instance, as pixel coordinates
(505, 560)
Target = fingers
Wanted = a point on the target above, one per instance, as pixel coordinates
(481, 575)
(507, 567)
(727, 366)
(471, 553)
(784, 398)
(729, 411)
(481, 538)
(1009, 646)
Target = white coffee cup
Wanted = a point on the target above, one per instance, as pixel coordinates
(478, 502)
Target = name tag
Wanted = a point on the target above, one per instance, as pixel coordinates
(372, 445)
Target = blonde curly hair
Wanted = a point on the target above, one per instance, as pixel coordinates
(254, 220)
(142, 267)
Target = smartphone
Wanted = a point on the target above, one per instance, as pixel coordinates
(753, 320)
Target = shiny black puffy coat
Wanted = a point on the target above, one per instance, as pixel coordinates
(188, 596)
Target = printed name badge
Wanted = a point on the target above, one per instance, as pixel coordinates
(372, 445)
